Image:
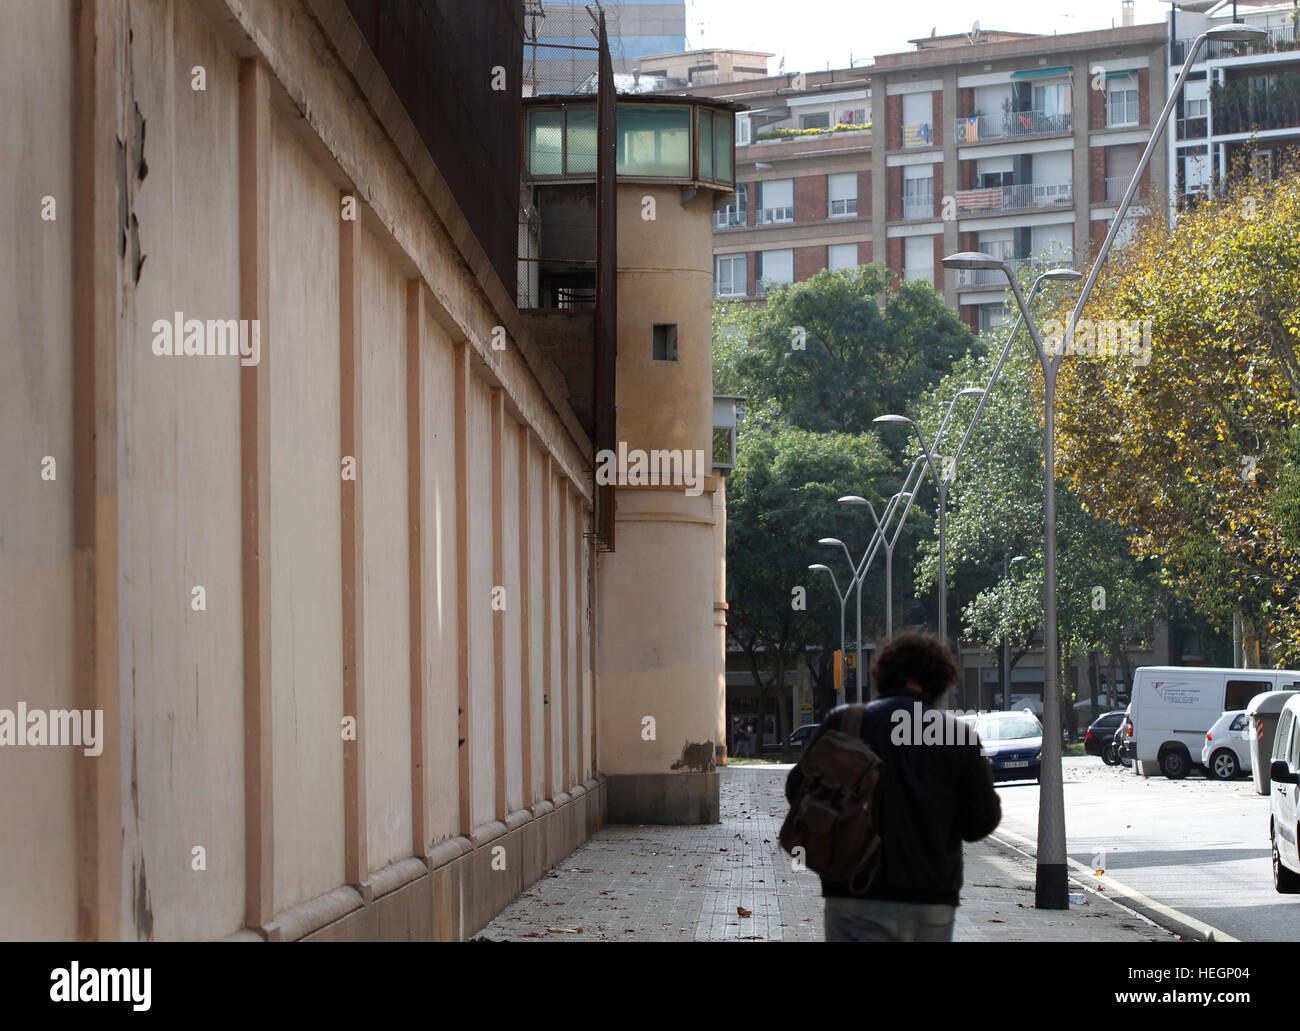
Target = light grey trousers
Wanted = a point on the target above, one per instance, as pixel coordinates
(875, 920)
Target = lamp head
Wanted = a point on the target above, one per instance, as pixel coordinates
(1236, 33)
(852, 499)
(1060, 274)
(972, 392)
(1019, 558)
(901, 420)
(819, 566)
(830, 540)
(971, 260)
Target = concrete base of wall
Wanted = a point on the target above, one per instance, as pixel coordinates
(663, 797)
(468, 881)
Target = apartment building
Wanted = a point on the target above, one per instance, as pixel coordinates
(803, 180)
(690, 68)
(636, 28)
(1020, 147)
(1237, 97)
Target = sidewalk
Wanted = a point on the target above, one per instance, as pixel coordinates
(654, 883)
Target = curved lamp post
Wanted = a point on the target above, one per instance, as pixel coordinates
(818, 567)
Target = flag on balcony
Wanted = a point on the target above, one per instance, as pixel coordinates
(916, 135)
(974, 200)
(972, 129)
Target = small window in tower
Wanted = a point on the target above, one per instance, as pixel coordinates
(665, 344)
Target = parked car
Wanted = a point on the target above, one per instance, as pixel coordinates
(1173, 707)
(1284, 820)
(800, 735)
(1012, 743)
(1099, 739)
(1226, 752)
(1261, 728)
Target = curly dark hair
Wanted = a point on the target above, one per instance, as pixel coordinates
(917, 656)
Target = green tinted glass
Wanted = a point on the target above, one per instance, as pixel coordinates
(654, 141)
(544, 143)
(724, 135)
(580, 141)
(704, 146)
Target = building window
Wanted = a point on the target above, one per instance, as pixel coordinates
(916, 120)
(842, 190)
(918, 258)
(776, 201)
(918, 191)
(546, 142)
(742, 129)
(842, 256)
(1121, 100)
(654, 141)
(665, 342)
(732, 211)
(821, 120)
(776, 268)
(730, 275)
(991, 316)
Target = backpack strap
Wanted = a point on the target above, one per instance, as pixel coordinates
(852, 722)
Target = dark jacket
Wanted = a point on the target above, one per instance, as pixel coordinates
(930, 798)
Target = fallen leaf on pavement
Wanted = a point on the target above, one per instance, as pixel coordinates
(565, 930)
(743, 911)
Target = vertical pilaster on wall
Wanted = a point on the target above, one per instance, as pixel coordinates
(525, 612)
(355, 862)
(592, 663)
(562, 530)
(548, 624)
(461, 417)
(415, 563)
(580, 620)
(96, 779)
(255, 480)
(499, 612)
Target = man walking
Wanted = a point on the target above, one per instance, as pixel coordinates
(935, 791)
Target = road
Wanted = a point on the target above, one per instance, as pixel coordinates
(1196, 845)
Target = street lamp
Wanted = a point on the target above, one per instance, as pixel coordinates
(857, 690)
(941, 484)
(882, 537)
(843, 600)
(1051, 886)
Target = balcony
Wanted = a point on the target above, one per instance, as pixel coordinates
(1013, 198)
(994, 277)
(1116, 185)
(918, 207)
(767, 216)
(1010, 124)
(730, 218)
(1280, 39)
(923, 274)
(1196, 128)
(1121, 108)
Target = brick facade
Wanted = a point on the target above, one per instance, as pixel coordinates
(864, 194)
(894, 194)
(808, 261)
(936, 116)
(893, 122)
(810, 200)
(1097, 175)
(894, 256)
(864, 252)
(1096, 107)
(751, 273)
(1144, 101)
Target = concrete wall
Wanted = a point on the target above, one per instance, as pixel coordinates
(230, 798)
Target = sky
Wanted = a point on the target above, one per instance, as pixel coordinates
(809, 33)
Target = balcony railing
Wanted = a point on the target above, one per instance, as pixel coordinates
(1280, 38)
(729, 218)
(1009, 198)
(995, 277)
(918, 207)
(1193, 128)
(766, 216)
(918, 135)
(1116, 185)
(1010, 124)
(1122, 108)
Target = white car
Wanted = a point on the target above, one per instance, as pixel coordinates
(1284, 819)
(1226, 752)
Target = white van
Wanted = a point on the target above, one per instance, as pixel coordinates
(1284, 821)
(1173, 706)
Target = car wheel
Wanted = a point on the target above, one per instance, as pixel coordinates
(1174, 763)
(1110, 756)
(1285, 881)
(1223, 765)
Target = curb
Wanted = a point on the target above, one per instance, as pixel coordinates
(1136, 904)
